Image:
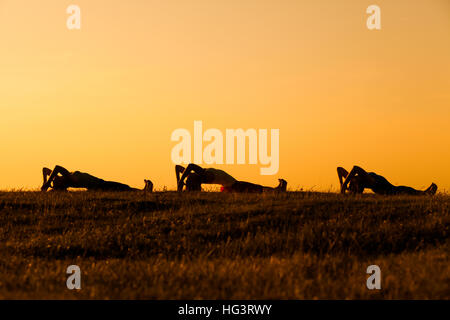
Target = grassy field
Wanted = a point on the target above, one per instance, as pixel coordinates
(223, 246)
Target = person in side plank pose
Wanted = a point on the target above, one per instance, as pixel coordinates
(358, 180)
(60, 179)
(195, 176)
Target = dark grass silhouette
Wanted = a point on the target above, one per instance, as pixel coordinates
(215, 245)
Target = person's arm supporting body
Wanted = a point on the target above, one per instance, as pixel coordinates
(178, 172)
(45, 173)
(57, 170)
(342, 174)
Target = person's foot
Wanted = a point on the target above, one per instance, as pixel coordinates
(148, 185)
(431, 189)
(282, 185)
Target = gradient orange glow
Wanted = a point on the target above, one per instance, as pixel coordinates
(106, 99)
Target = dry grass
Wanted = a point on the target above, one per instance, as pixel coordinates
(212, 245)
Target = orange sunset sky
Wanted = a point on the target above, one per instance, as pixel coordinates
(105, 99)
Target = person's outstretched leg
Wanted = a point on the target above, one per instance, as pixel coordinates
(243, 186)
(399, 190)
(247, 187)
(110, 186)
(431, 190)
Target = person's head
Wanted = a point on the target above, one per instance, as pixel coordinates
(193, 182)
(148, 186)
(59, 183)
(356, 186)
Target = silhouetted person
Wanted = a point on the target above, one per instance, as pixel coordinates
(195, 176)
(358, 180)
(61, 179)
